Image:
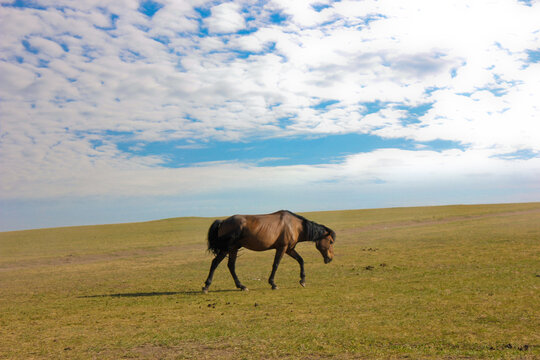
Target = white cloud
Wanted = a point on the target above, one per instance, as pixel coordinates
(97, 170)
(225, 18)
(160, 78)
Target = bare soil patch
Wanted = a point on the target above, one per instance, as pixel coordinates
(186, 350)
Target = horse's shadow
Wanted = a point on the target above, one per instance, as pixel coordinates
(154, 293)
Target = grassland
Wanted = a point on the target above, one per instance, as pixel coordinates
(435, 282)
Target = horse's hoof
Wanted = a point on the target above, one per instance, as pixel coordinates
(274, 287)
(244, 289)
(303, 283)
(205, 290)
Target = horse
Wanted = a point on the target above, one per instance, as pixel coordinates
(280, 230)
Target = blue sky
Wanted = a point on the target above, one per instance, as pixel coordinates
(137, 110)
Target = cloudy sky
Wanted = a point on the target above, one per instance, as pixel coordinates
(118, 111)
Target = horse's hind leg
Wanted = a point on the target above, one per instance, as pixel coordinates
(292, 253)
(232, 265)
(218, 259)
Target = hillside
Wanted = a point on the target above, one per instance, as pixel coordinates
(423, 282)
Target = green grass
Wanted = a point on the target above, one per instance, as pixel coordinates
(433, 282)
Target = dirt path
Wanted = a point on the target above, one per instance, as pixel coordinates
(419, 223)
(72, 259)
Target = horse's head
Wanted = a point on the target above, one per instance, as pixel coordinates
(326, 246)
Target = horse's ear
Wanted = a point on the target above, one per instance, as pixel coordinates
(331, 233)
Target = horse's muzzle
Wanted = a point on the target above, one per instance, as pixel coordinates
(327, 260)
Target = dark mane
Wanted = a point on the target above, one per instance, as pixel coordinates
(313, 231)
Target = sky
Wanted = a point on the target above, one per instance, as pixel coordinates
(123, 111)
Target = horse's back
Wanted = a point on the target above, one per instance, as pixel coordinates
(266, 231)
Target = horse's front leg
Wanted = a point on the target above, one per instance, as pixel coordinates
(277, 259)
(292, 253)
(232, 265)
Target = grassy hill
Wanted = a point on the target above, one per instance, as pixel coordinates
(425, 282)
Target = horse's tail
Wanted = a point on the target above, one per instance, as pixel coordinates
(217, 243)
(214, 245)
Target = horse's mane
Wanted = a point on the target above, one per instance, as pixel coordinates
(313, 231)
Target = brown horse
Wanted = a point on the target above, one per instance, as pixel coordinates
(281, 231)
